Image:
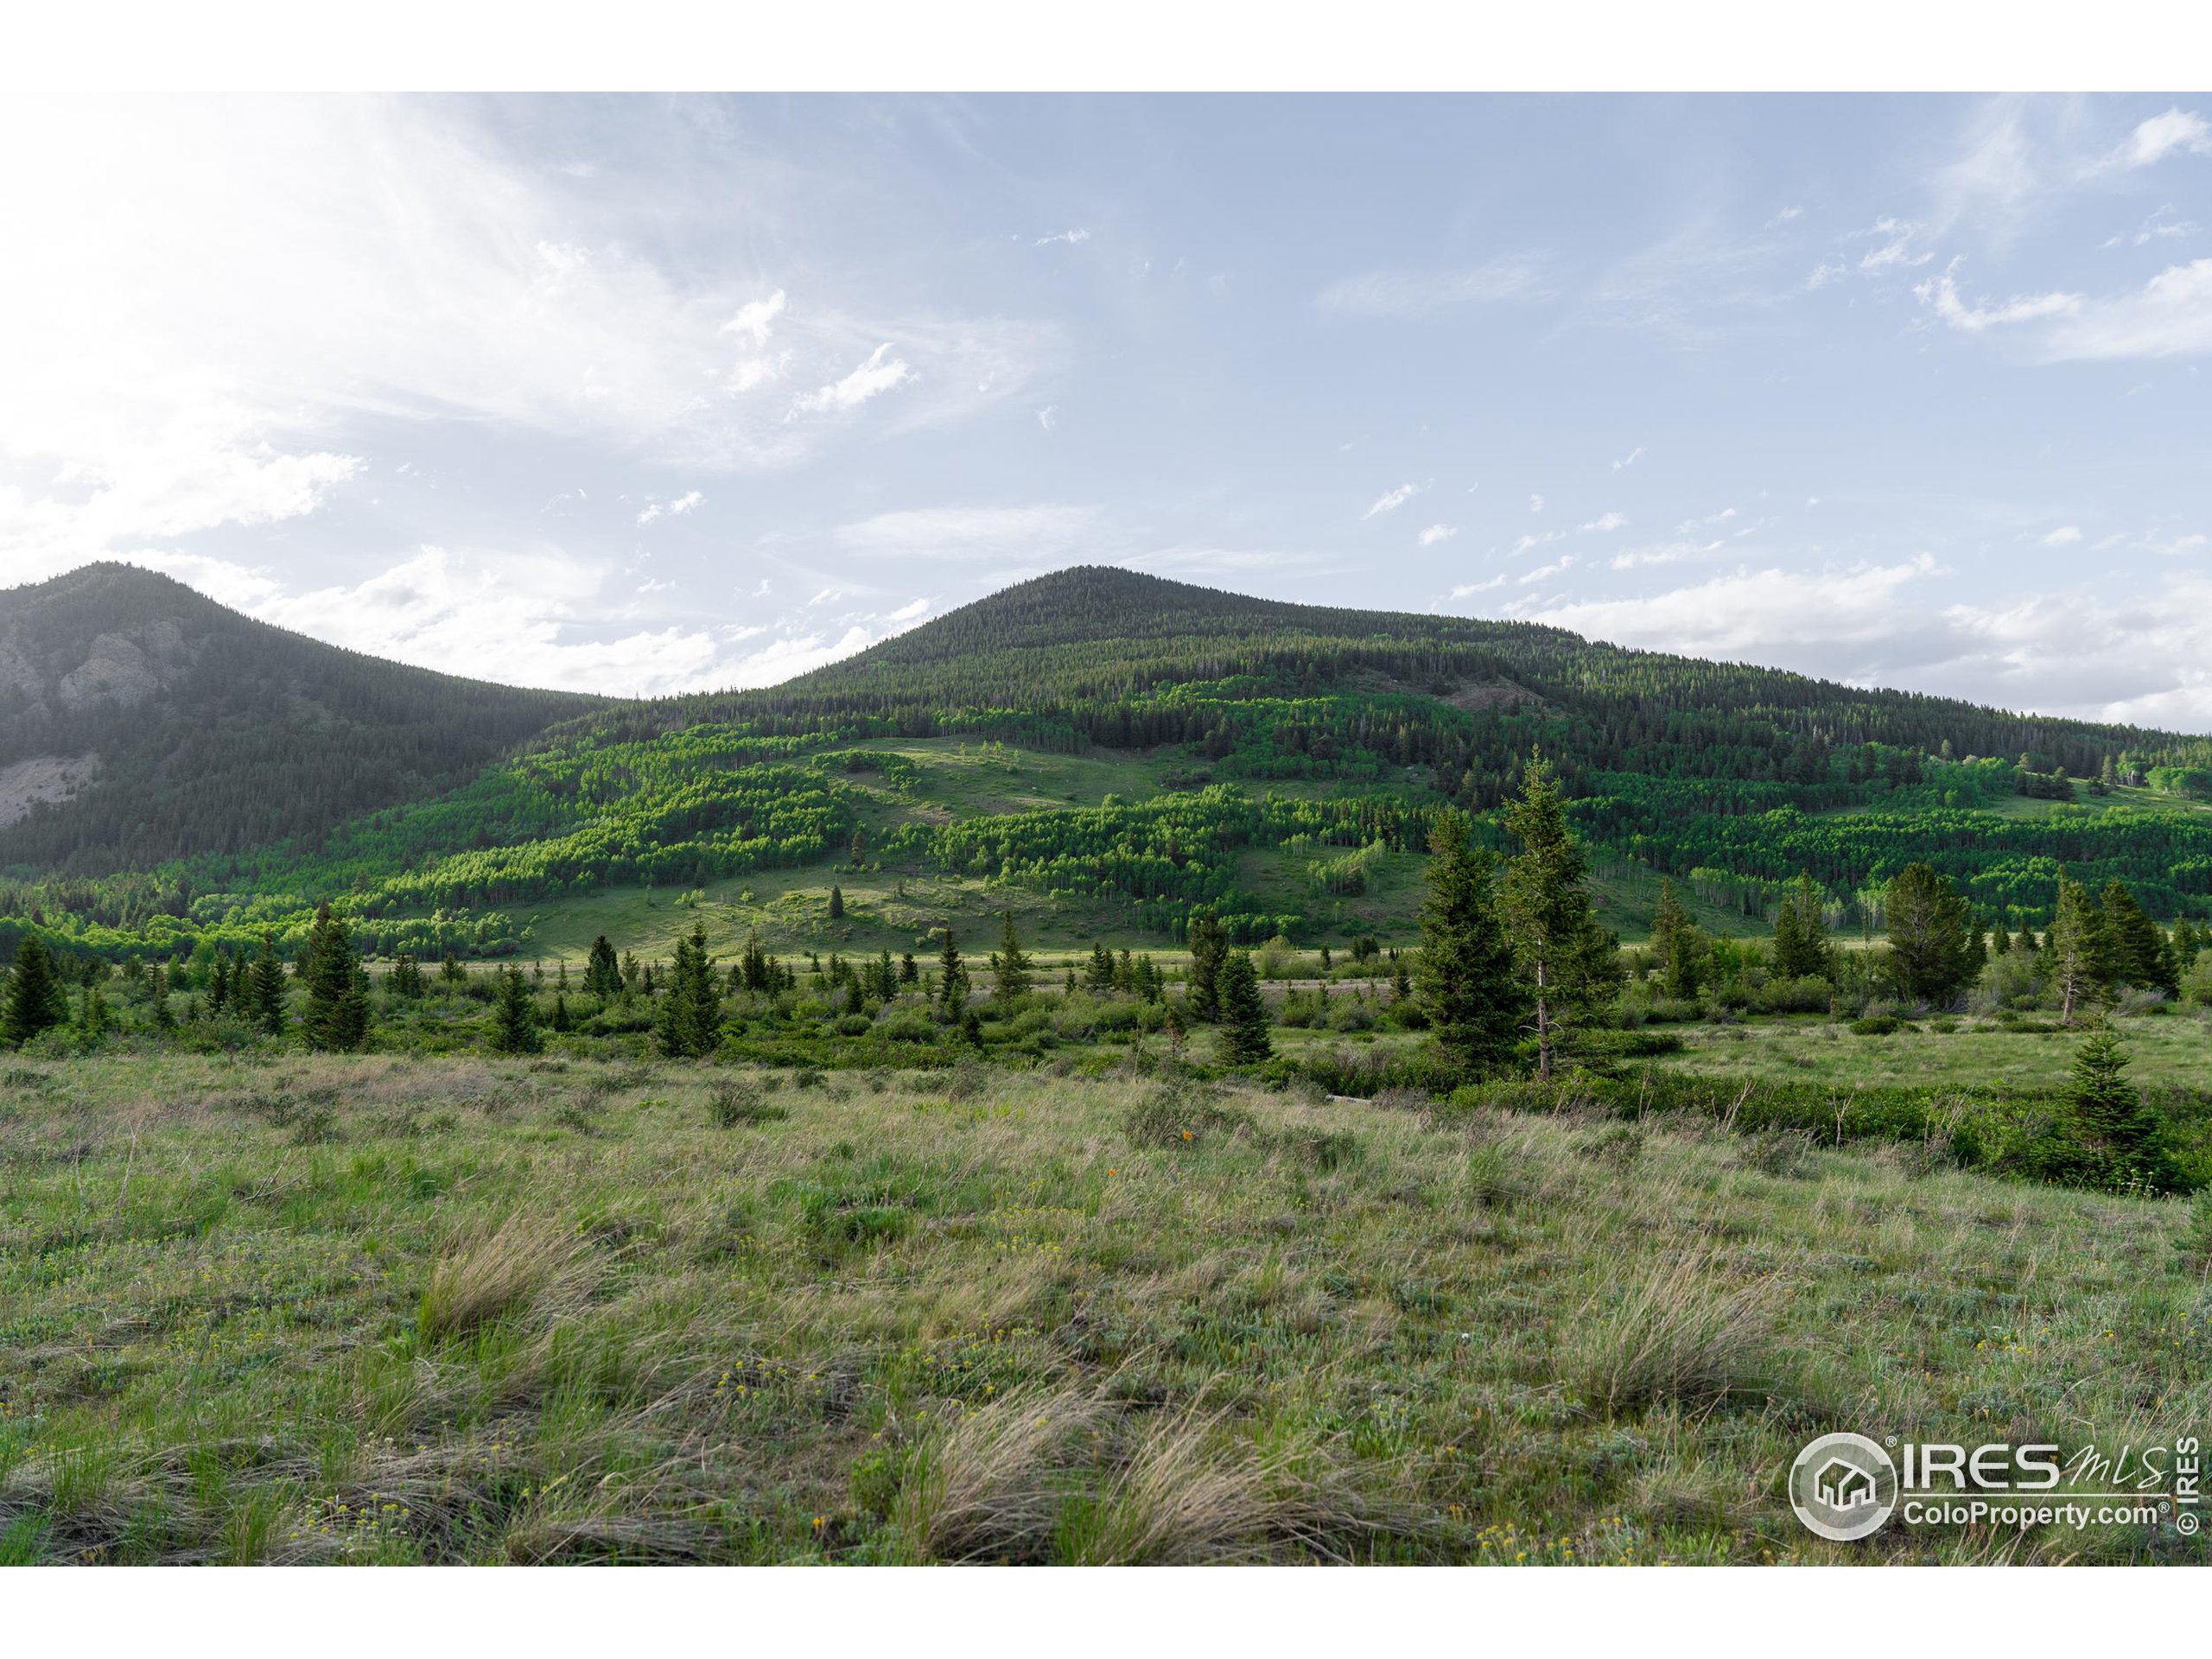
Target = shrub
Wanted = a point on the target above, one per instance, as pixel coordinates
(1877, 1025)
(733, 1104)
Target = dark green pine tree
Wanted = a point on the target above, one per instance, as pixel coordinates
(1098, 974)
(336, 1018)
(514, 1015)
(1012, 964)
(36, 1000)
(690, 1023)
(2121, 1132)
(1568, 963)
(157, 999)
(1243, 1012)
(94, 1017)
(953, 973)
(562, 1020)
(264, 998)
(407, 977)
(220, 982)
(1929, 960)
(2141, 955)
(1683, 951)
(837, 903)
(1801, 933)
(602, 972)
(2077, 948)
(1466, 984)
(1208, 946)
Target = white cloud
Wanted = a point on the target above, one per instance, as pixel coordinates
(1785, 216)
(751, 323)
(1827, 271)
(1391, 501)
(676, 509)
(1896, 248)
(2172, 316)
(1420, 293)
(1630, 459)
(1942, 294)
(2064, 535)
(203, 297)
(913, 612)
(1542, 572)
(1665, 553)
(1048, 417)
(541, 618)
(1003, 536)
(880, 374)
(1535, 504)
(2179, 545)
(1528, 543)
(1605, 521)
(1436, 533)
(1710, 518)
(1071, 237)
(2152, 141)
(1467, 589)
(1756, 614)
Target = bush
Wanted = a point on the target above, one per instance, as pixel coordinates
(1877, 1025)
(733, 1103)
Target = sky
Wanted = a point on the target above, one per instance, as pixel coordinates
(642, 395)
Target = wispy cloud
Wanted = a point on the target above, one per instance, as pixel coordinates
(2170, 316)
(1391, 501)
(676, 509)
(1003, 536)
(1942, 295)
(2064, 535)
(2177, 132)
(1436, 533)
(1630, 459)
(880, 374)
(1071, 237)
(1535, 504)
(1605, 521)
(1895, 246)
(1421, 293)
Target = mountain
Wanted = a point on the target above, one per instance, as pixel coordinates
(1126, 752)
(141, 721)
(1099, 654)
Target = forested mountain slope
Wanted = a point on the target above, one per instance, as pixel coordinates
(1266, 762)
(142, 721)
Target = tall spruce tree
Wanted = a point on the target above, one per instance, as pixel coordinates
(1929, 960)
(1568, 962)
(1209, 945)
(1801, 933)
(1244, 1039)
(1684, 952)
(1011, 968)
(689, 1023)
(602, 971)
(2141, 956)
(1098, 974)
(953, 973)
(336, 1018)
(514, 1015)
(36, 1000)
(2077, 949)
(264, 1001)
(1466, 984)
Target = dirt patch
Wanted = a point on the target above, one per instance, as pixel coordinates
(1498, 694)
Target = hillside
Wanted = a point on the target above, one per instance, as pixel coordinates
(1111, 753)
(141, 721)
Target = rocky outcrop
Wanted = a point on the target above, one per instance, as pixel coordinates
(43, 778)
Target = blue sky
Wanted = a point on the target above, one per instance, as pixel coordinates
(645, 395)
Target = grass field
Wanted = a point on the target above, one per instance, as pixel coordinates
(2174, 1048)
(384, 1309)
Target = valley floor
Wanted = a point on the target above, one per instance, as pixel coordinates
(401, 1309)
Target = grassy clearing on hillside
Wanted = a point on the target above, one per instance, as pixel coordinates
(391, 1310)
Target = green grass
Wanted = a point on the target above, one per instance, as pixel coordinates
(2175, 1048)
(403, 1310)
